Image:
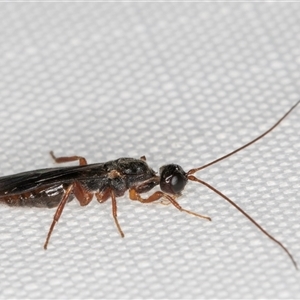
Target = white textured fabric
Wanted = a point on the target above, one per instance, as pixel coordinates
(183, 83)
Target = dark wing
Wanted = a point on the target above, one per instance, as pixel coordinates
(25, 181)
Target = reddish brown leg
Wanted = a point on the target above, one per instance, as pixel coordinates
(83, 196)
(59, 211)
(134, 195)
(103, 196)
(114, 212)
(82, 160)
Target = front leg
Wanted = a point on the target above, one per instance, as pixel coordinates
(134, 195)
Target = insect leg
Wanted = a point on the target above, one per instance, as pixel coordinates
(102, 197)
(134, 195)
(114, 211)
(83, 196)
(82, 160)
(59, 211)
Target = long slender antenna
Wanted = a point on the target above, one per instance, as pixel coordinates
(192, 171)
(193, 178)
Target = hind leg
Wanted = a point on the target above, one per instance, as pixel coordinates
(82, 160)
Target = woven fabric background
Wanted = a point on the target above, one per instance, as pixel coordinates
(177, 82)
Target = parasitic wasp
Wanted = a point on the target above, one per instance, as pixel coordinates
(54, 187)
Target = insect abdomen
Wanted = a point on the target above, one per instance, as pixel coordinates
(49, 197)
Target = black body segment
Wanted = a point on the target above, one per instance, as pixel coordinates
(44, 188)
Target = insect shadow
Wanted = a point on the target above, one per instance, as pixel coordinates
(54, 187)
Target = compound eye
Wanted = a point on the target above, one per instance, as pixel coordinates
(172, 179)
